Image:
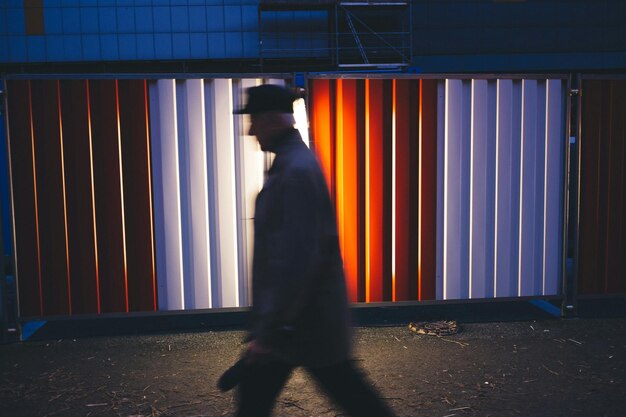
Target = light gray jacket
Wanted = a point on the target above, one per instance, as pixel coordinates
(299, 293)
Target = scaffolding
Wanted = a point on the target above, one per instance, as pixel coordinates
(344, 34)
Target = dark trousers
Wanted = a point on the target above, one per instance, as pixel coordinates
(342, 382)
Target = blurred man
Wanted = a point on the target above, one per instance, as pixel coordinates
(300, 312)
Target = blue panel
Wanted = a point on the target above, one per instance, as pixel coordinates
(70, 3)
(215, 19)
(50, 3)
(53, 20)
(91, 47)
(143, 18)
(145, 46)
(180, 19)
(89, 20)
(249, 18)
(15, 21)
(108, 20)
(197, 19)
(199, 45)
(107, 3)
(125, 20)
(17, 49)
(89, 3)
(71, 20)
(3, 21)
(179, 3)
(73, 48)
(54, 47)
(125, 3)
(217, 45)
(128, 47)
(181, 45)
(36, 48)
(234, 40)
(163, 45)
(149, 3)
(15, 4)
(4, 49)
(250, 44)
(161, 2)
(162, 19)
(232, 18)
(109, 47)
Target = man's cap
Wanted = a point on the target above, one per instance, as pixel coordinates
(268, 97)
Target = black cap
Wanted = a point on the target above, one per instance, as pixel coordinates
(268, 97)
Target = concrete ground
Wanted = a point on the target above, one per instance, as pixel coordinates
(532, 367)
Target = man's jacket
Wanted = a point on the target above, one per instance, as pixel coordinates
(299, 293)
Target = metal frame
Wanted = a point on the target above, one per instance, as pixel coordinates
(10, 329)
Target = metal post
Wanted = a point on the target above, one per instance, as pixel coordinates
(571, 233)
(10, 330)
(4, 311)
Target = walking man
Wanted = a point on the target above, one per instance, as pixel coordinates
(300, 313)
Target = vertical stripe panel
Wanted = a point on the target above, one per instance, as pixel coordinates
(194, 193)
(389, 188)
(166, 195)
(79, 188)
(221, 170)
(482, 207)
(553, 189)
(407, 188)
(428, 191)
(24, 197)
(108, 194)
(531, 188)
(251, 170)
(617, 201)
(135, 153)
(322, 101)
(375, 183)
(507, 185)
(456, 191)
(192, 166)
(441, 148)
(347, 183)
(616, 216)
(50, 197)
(603, 178)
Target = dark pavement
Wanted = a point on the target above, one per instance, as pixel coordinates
(506, 361)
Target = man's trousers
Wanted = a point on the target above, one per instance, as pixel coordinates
(344, 384)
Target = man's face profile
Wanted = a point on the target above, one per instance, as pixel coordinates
(263, 126)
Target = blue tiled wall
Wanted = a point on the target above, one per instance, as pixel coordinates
(104, 30)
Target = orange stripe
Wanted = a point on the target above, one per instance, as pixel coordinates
(119, 147)
(32, 138)
(153, 272)
(93, 198)
(67, 245)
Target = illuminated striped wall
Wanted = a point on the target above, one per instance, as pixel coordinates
(81, 188)
(133, 195)
(205, 186)
(603, 188)
(444, 189)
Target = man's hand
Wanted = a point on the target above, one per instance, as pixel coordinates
(256, 351)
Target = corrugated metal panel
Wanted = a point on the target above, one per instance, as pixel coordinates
(602, 264)
(375, 143)
(503, 147)
(81, 190)
(444, 189)
(205, 186)
(465, 171)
